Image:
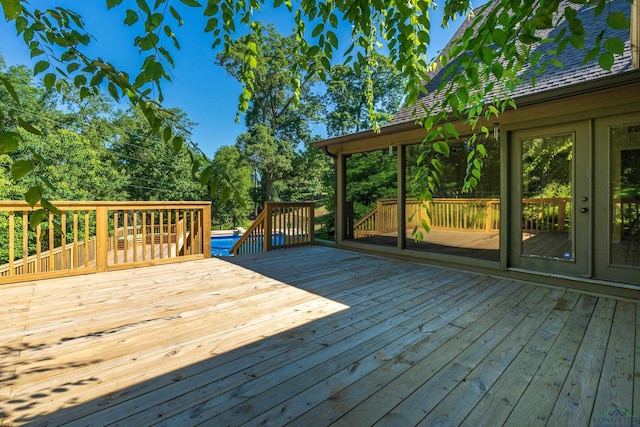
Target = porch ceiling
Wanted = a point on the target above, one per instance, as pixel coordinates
(312, 336)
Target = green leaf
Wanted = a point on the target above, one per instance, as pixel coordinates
(194, 167)
(442, 148)
(205, 175)
(618, 21)
(7, 84)
(176, 15)
(167, 133)
(333, 39)
(11, 9)
(450, 129)
(36, 218)
(191, 3)
(577, 41)
(177, 142)
(20, 168)
(317, 30)
(606, 61)
(50, 207)
(113, 91)
(9, 141)
(113, 3)
(142, 4)
(499, 36)
(40, 67)
(591, 54)
(542, 22)
(131, 17)
(49, 80)
(556, 63)
(153, 21)
(33, 195)
(614, 45)
(29, 127)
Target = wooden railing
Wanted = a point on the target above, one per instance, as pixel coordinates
(279, 225)
(626, 217)
(538, 214)
(546, 214)
(452, 214)
(89, 237)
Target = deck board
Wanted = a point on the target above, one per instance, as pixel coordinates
(312, 336)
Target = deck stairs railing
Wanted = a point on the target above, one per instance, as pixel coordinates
(472, 214)
(280, 225)
(88, 237)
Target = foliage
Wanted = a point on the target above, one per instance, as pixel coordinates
(490, 55)
(346, 96)
(274, 128)
(155, 170)
(371, 176)
(546, 166)
(233, 212)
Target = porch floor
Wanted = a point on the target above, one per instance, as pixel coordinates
(313, 336)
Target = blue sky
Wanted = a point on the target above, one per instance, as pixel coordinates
(200, 88)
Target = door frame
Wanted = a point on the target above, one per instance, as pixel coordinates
(603, 266)
(580, 265)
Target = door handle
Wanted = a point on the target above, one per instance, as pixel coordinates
(584, 210)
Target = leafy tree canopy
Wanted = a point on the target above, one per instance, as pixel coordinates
(504, 36)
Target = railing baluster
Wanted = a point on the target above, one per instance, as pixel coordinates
(63, 239)
(11, 241)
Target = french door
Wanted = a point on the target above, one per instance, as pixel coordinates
(617, 199)
(550, 213)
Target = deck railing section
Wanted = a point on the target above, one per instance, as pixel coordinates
(452, 214)
(540, 214)
(546, 214)
(88, 237)
(626, 217)
(279, 225)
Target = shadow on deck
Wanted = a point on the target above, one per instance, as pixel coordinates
(313, 336)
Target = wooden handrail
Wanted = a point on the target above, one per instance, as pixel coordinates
(540, 214)
(257, 225)
(102, 236)
(279, 225)
(456, 214)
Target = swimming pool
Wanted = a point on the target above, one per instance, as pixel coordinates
(221, 245)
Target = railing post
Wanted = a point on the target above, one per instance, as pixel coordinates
(488, 216)
(312, 230)
(379, 219)
(102, 238)
(268, 227)
(206, 231)
(561, 214)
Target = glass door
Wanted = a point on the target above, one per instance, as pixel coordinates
(550, 200)
(617, 234)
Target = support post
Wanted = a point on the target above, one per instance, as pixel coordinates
(102, 238)
(206, 231)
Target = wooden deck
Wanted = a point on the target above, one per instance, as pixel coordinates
(310, 337)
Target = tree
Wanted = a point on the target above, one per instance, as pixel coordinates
(490, 54)
(155, 168)
(234, 212)
(275, 130)
(347, 107)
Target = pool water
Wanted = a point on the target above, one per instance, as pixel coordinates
(221, 245)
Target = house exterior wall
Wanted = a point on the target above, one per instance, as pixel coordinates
(590, 105)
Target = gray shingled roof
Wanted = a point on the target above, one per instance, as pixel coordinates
(573, 72)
